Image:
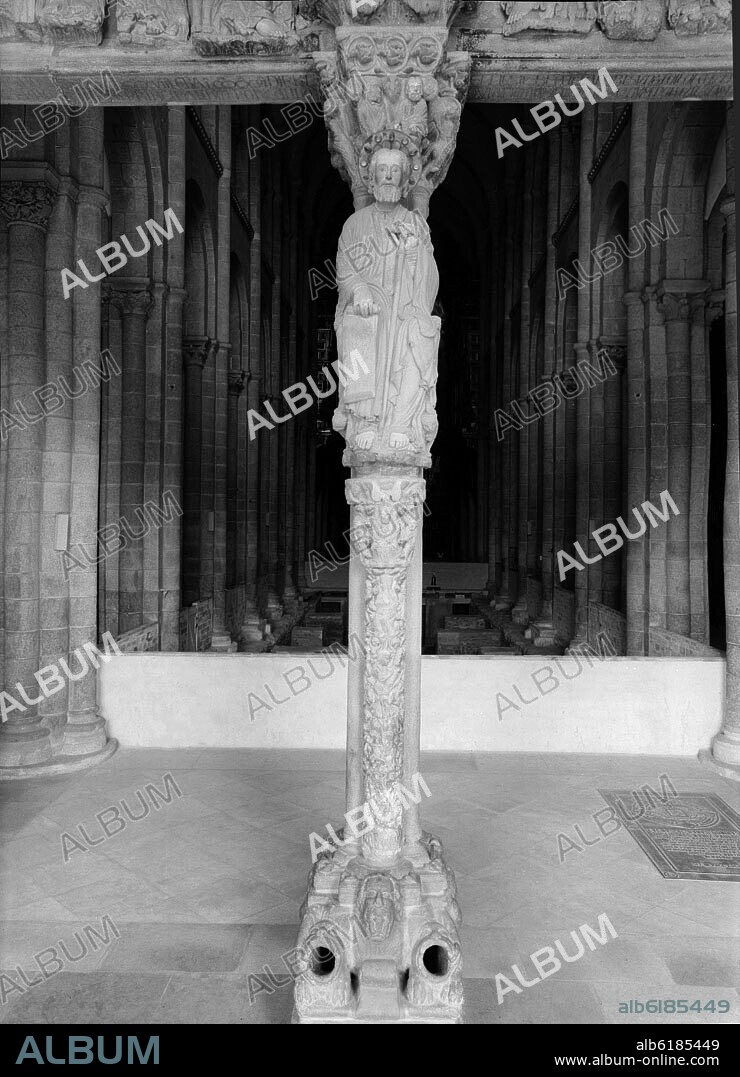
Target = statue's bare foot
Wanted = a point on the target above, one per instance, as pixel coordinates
(399, 441)
(366, 440)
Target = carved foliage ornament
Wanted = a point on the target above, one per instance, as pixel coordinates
(27, 203)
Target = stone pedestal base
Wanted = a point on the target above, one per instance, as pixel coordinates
(543, 634)
(519, 613)
(379, 944)
(223, 644)
(58, 764)
(727, 770)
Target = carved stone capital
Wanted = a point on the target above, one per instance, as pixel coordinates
(676, 299)
(615, 351)
(675, 306)
(129, 301)
(237, 381)
(157, 22)
(195, 351)
(393, 85)
(71, 22)
(27, 202)
(388, 510)
(691, 17)
(715, 307)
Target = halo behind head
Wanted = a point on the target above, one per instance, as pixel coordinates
(408, 145)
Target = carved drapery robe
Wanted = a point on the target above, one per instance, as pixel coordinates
(397, 395)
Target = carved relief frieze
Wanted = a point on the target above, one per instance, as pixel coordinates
(690, 17)
(71, 22)
(632, 20)
(245, 27)
(549, 18)
(152, 22)
(381, 12)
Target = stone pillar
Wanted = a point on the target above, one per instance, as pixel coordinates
(544, 626)
(583, 403)
(85, 732)
(614, 353)
(233, 507)
(221, 639)
(726, 745)
(510, 446)
(384, 903)
(133, 299)
(251, 629)
(172, 449)
(520, 613)
(636, 433)
(676, 309)
(26, 204)
(195, 351)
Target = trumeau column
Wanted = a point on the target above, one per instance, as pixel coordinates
(383, 904)
(726, 745)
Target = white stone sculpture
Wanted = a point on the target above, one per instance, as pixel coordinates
(385, 316)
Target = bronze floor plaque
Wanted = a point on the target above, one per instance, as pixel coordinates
(687, 836)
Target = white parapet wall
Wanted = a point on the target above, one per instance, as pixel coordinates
(658, 706)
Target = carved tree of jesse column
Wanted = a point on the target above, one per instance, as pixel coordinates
(379, 930)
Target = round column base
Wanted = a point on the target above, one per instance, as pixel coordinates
(59, 764)
(726, 767)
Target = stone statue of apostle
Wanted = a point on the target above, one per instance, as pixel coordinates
(388, 282)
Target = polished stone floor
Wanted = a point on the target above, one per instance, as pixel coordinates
(203, 892)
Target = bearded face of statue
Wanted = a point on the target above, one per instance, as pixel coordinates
(389, 172)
